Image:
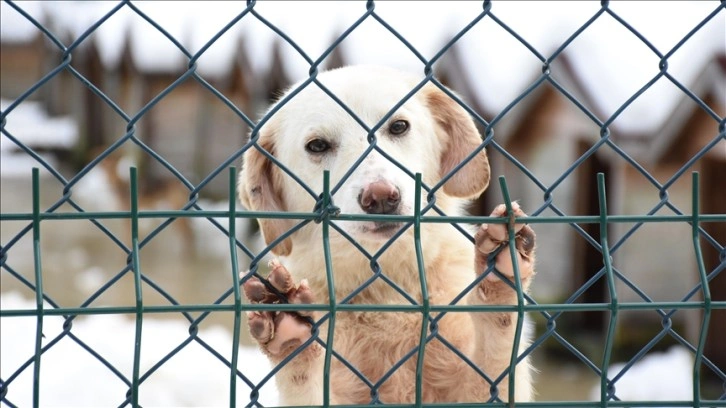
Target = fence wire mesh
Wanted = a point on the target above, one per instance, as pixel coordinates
(65, 208)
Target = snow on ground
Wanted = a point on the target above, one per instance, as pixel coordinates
(659, 376)
(71, 377)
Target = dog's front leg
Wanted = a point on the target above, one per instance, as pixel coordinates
(281, 334)
(495, 331)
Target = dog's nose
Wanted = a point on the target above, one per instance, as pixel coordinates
(380, 197)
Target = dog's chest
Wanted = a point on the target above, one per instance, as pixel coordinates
(383, 348)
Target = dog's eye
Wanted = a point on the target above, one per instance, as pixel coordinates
(398, 127)
(317, 146)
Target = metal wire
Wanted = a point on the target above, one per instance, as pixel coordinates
(326, 214)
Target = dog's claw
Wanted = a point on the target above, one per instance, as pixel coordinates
(278, 333)
(280, 278)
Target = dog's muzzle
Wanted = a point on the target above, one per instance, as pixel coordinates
(380, 197)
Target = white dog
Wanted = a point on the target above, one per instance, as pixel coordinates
(429, 134)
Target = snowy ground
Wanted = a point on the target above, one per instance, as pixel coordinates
(195, 378)
(659, 376)
(71, 377)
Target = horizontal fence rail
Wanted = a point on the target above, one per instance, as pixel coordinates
(66, 208)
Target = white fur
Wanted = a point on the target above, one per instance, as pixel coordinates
(374, 341)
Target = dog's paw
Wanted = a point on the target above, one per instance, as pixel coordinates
(492, 236)
(278, 333)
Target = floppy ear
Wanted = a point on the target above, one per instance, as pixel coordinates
(459, 138)
(259, 189)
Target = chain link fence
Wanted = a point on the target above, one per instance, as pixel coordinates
(61, 206)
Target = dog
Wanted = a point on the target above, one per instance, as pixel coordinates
(431, 134)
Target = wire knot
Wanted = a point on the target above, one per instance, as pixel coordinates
(325, 211)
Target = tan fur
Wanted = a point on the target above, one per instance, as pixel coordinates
(262, 191)
(460, 138)
(442, 135)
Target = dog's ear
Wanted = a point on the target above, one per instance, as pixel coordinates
(459, 138)
(259, 189)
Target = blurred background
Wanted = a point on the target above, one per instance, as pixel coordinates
(541, 143)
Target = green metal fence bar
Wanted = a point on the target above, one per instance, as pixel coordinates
(512, 246)
(38, 266)
(706, 296)
(538, 307)
(327, 203)
(425, 303)
(565, 219)
(138, 293)
(607, 261)
(234, 264)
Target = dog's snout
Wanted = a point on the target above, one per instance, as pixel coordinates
(380, 197)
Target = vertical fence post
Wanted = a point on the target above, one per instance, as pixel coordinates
(517, 286)
(425, 315)
(607, 262)
(232, 233)
(38, 286)
(137, 284)
(695, 221)
(332, 302)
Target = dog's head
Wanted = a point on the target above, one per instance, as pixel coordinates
(429, 134)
